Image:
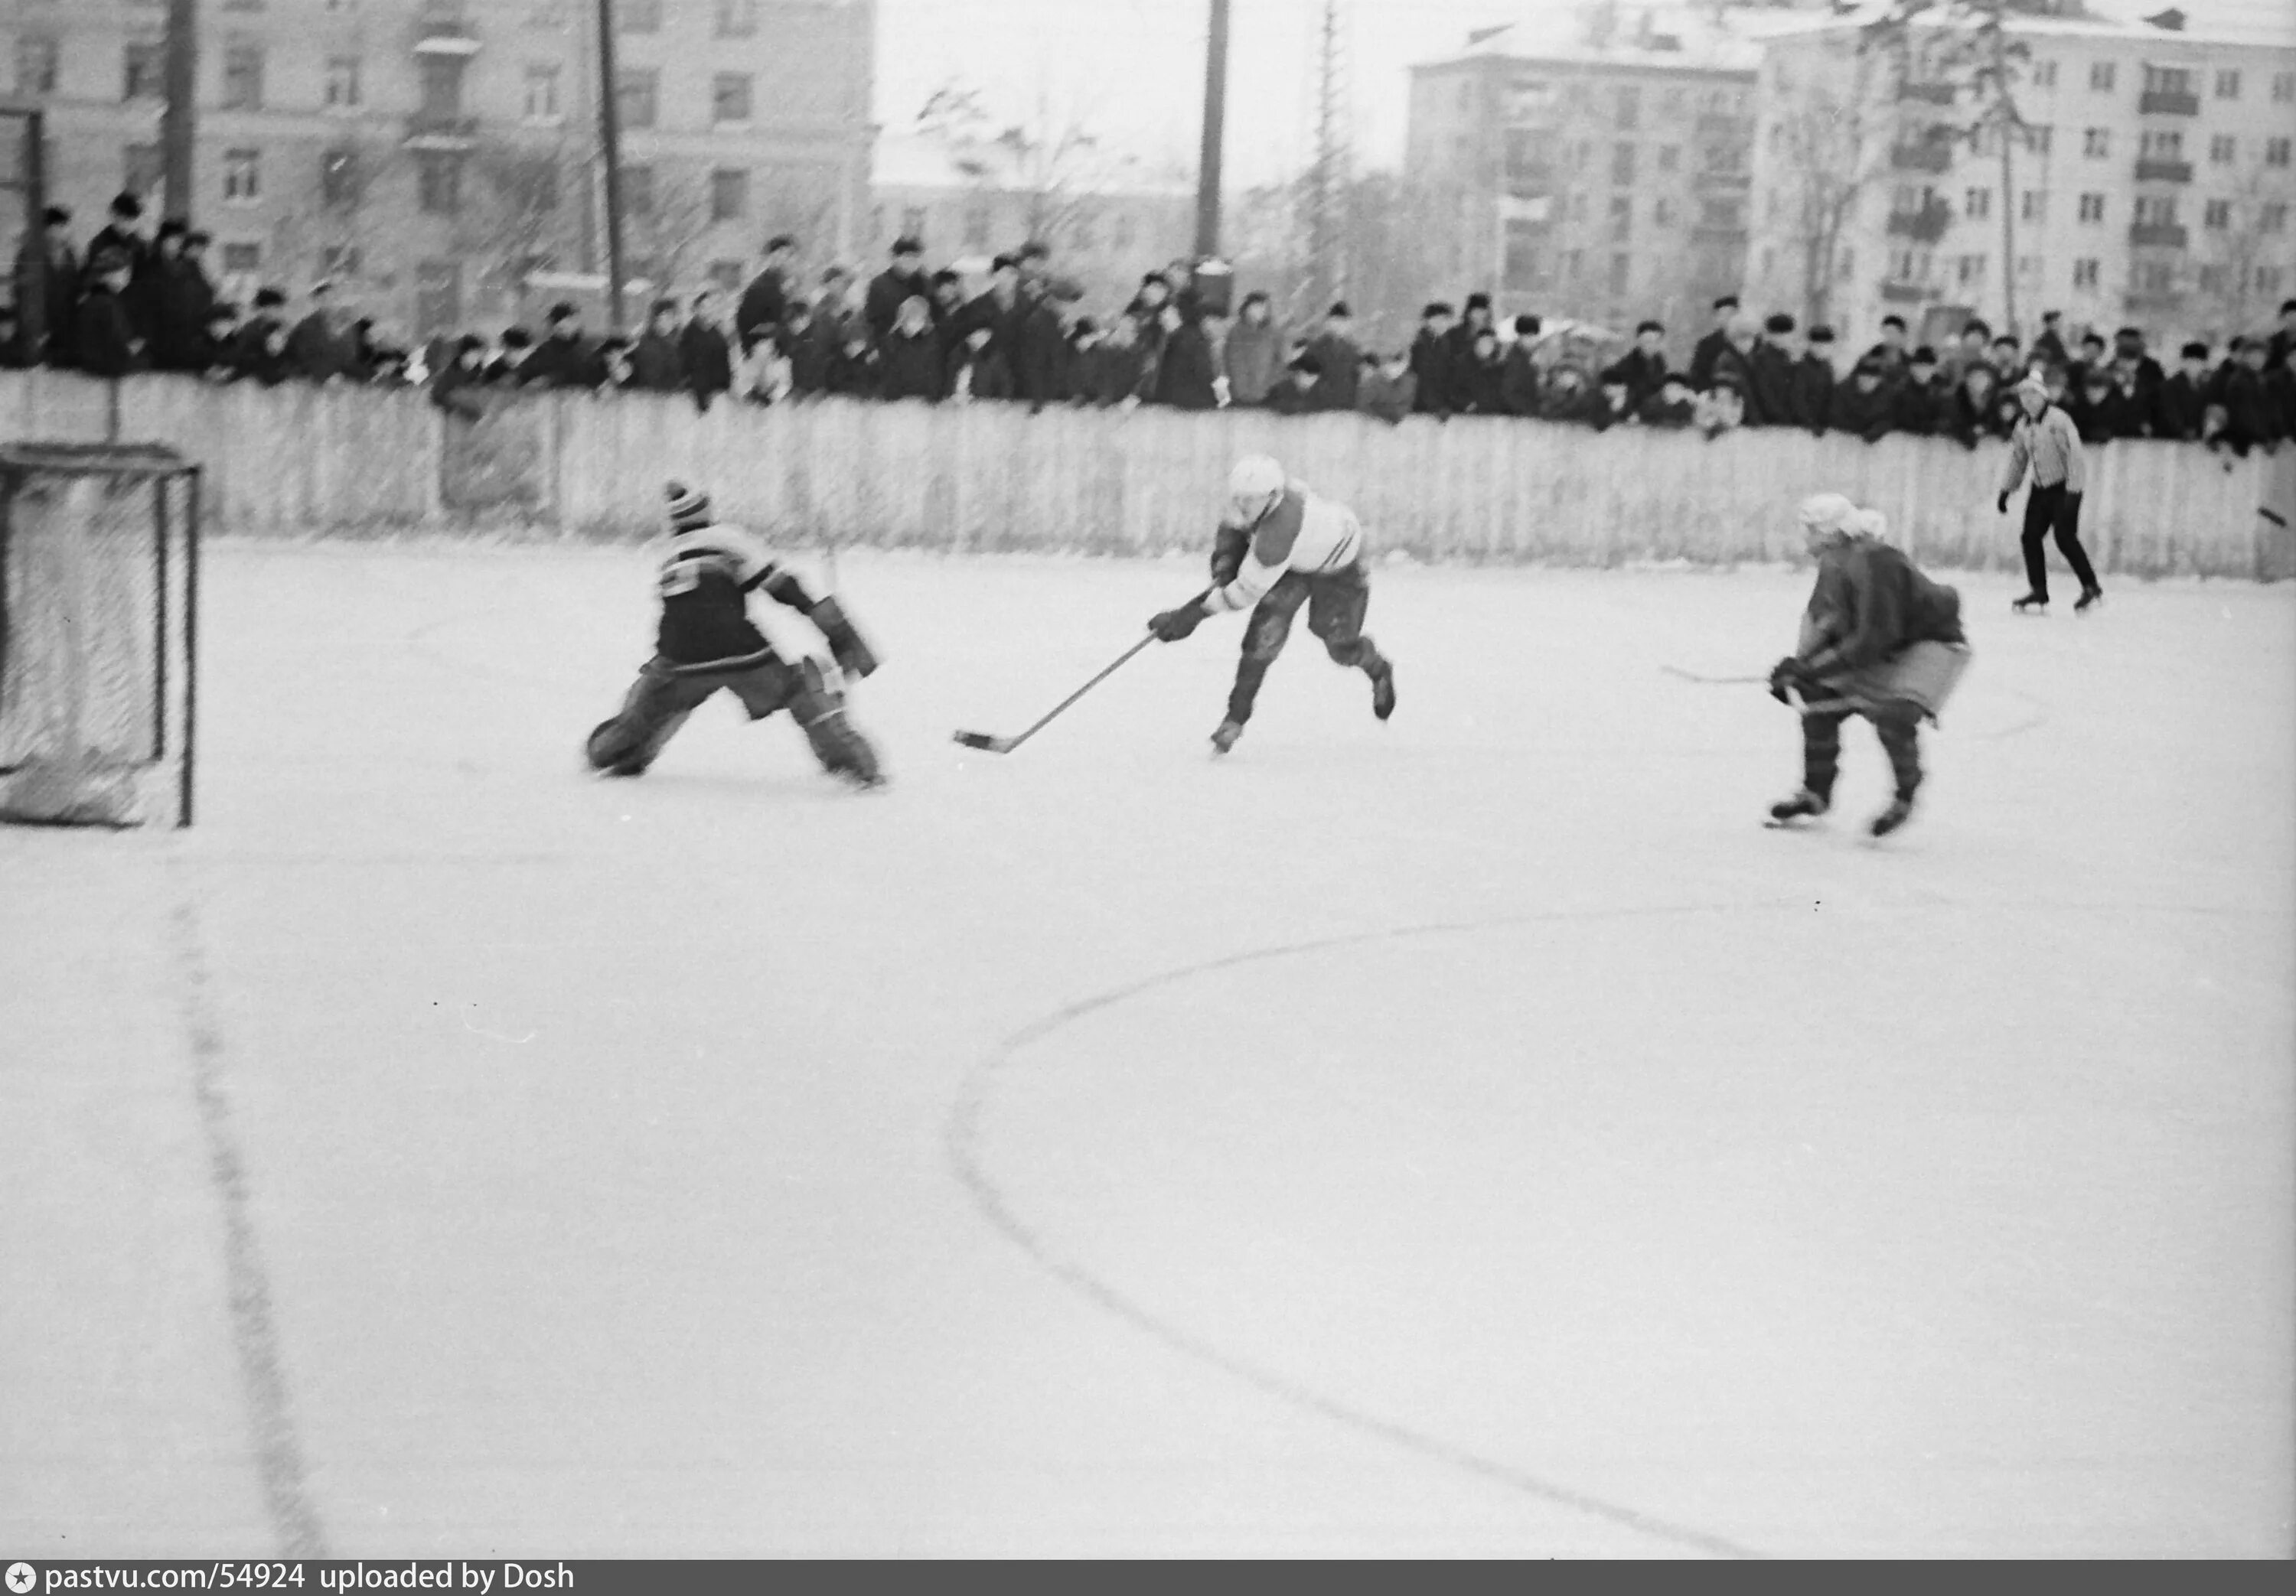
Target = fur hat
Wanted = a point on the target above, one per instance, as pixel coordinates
(689, 507)
(2034, 385)
(1826, 512)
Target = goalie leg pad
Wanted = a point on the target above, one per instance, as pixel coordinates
(1820, 751)
(847, 646)
(658, 704)
(820, 709)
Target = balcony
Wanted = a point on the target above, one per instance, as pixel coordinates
(1921, 157)
(436, 130)
(445, 33)
(1906, 293)
(2167, 103)
(2164, 235)
(1923, 226)
(2164, 171)
(2140, 301)
(1704, 233)
(1716, 124)
(1928, 93)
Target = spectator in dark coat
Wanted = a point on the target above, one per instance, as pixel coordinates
(2092, 358)
(108, 343)
(1039, 346)
(1478, 385)
(2009, 366)
(47, 266)
(656, 365)
(1385, 388)
(803, 346)
(2240, 392)
(260, 354)
(1431, 363)
(2098, 410)
(1968, 349)
(2284, 337)
(1570, 400)
(1862, 404)
(2280, 393)
(1296, 393)
(1460, 340)
(1115, 369)
(1253, 354)
(1733, 363)
(704, 350)
(506, 369)
(1339, 355)
(1519, 375)
(765, 302)
(186, 296)
(2050, 345)
(1814, 381)
(2138, 378)
(1923, 404)
(1185, 371)
(1771, 361)
(460, 384)
(2184, 397)
(1972, 406)
(997, 310)
(909, 356)
(122, 234)
(1672, 406)
(980, 372)
(1710, 349)
(13, 355)
(854, 370)
(318, 349)
(1644, 364)
(891, 288)
(564, 358)
(1891, 350)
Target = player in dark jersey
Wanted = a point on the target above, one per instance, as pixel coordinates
(707, 641)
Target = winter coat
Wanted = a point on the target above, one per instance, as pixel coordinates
(2184, 404)
(881, 307)
(1868, 605)
(763, 307)
(1519, 381)
(105, 339)
(981, 375)
(1254, 359)
(564, 363)
(1919, 408)
(316, 351)
(59, 289)
(1339, 387)
(853, 375)
(910, 365)
(707, 359)
(1431, 364)
(1867, 414)
(1774, 388)
(1113, 373)
(1813, 392)
(1736, 366)
(185, 297)
(1479, 386)
(1389, 398)
(1705, 357)
(1184, 377)
(1645, 373)
(1655, 410)
(260, 350)
(808, 351)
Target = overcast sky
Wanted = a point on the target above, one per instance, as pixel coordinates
(1133, 70)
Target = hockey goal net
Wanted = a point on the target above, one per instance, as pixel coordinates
(99, 586)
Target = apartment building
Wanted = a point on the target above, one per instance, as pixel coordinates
(1600, 176)
(2148, 181)
(437, 156)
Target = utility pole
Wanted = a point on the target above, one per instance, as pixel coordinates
(1208, 171)
(609, 150)
(1327, 193)
(178, 122)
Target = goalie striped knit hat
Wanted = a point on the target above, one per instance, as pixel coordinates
(689, 507)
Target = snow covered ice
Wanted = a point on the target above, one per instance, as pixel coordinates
(1475, 1135)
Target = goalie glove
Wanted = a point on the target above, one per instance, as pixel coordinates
(847, 646)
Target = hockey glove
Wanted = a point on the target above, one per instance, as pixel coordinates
(1786, 675)
(2001, 505)
(852, 653)
(1170, 626)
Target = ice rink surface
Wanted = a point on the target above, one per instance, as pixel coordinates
(1469, 1135)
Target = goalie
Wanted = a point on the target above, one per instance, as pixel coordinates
(1878, 639)
(1279, 547)
(707, 641)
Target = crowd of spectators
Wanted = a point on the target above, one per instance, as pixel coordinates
(910, 332)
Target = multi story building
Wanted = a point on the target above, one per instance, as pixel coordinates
(1104, 228)
(1599, 175)
(2147, 180)
(438, 155)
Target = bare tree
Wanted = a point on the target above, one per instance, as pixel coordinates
(1832, 145)
(2232, 253)
(518, 209)
(1054, 163)
(664, 224)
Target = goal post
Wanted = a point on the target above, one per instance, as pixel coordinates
(98, 608)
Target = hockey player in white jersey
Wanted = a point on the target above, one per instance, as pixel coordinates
(707, 641)
(1281, 546)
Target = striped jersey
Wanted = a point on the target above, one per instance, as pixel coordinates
(1315, 536)
(704, 575)
(2052, 447)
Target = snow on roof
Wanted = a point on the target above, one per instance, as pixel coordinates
(2269, 23)
(1661, 37)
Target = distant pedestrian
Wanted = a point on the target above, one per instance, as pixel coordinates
(2048, 445)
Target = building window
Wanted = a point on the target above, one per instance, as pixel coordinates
(339, 179)
(639, 16)
(243, 78)
(37, 56)
(2168, 80)
(638, 95)
(2229, 85)
(141, 68)
(2039, 139)
(637, 190)
(243, 176)
(2222, 149)
(1667, 156)
(2045, 74)
(1622, 165)
(729, 194)
(2152, 212)
(2212, 279)
(2099, 76)
(1630, 103)
(2092, 207)
(1622, 216)
(342, 82)
(2084, 274)
(1620, 266)
(2033, 206)
(1571, 263)
(2161, 144)
(442, 86)
(438, 182)
(2097, 142)
(737, 19)
(729, 98)
(542, 92)
(142, 168)
(2029, 269)
(2157, 277)
(1578, 210)
(1969, 271)
(2271, 218)
(2216, 214)
(2275, 151)
(1848, 267)
(1663, 212)
(2284, 87)
(1977, 203)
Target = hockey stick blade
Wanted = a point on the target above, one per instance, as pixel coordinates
(1692, 676)
(983, 740)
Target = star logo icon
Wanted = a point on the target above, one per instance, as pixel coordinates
(22, 1578)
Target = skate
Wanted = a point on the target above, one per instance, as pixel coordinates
(2090, 597)
(1226, 737)
(2032, 603)
(1804, 804)
(1382, 690)
(1898, 814)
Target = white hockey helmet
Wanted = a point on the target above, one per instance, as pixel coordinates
(1254, 484)
(1827, 512)
(1868, 523)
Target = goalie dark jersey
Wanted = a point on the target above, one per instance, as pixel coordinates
(704, 577)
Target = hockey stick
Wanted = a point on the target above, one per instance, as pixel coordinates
(1005, 745)
(1692, 676)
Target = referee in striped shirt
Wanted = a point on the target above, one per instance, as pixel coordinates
(2046, 441)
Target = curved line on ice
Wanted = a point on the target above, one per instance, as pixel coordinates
(963, 1140)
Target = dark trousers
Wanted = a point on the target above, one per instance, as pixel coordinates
(2047, 510)
(664, 695)
(1336, 604)
(1899, 731)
